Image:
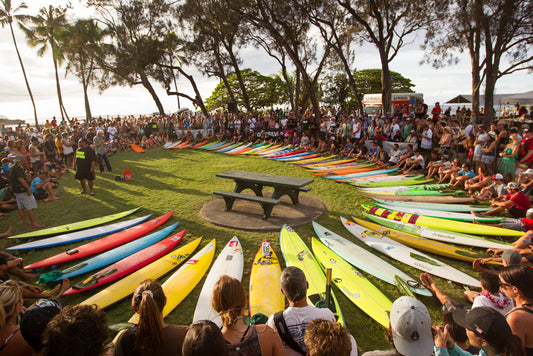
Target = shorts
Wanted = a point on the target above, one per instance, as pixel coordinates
(513, 224)
(40, 194)
(517, 213)
(450, 305)
(83, 174)
(25, 201)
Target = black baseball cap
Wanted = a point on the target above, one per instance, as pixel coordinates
(34, 321)
(486, 323)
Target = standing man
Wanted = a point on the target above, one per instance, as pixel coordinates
(85, 163)
(101, 151)
(22, 192)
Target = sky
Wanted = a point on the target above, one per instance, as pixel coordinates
(436, 84)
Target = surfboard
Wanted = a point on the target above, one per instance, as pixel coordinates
(458, 226)
(457, 208)
(230, 262)
(78, 236)
(363, 174)
(421, 243)
(127, 285)
(75, 226)
(440, 235)
(296, 253)
(407, 255)
(128, 264)
(115, 254)
(183, 281)
(265, 295)
(103, 244)
(421, 199)
(442, 214)
(137, 148)
(365, 260)
(353, 284)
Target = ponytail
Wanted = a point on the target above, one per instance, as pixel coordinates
(10, 297)
(149, 300)
(3, 320)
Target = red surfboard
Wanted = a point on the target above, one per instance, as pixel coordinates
(103, 244)
(128, 265)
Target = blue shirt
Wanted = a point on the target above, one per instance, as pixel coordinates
(34, 183)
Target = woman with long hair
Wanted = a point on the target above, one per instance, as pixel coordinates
(517, 282)
(12, 342)
(508, 164)
(228, 299)
(152, 336)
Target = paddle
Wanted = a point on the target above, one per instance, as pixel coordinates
(328, 287)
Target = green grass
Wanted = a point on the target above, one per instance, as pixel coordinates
(183, 180)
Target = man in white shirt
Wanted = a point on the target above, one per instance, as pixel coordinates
(296, 317)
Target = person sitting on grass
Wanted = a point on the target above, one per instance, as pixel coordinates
(482, 180)
(395, 155)
(436, 164)
(446, 173)
(204, 338)
(515, 203)
(42, 187)
(402, 162)
(497, 189)
(416, 163)
(460, 177)
(324, 338)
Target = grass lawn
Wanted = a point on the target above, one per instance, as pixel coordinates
(183, 180)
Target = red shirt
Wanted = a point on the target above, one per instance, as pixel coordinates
(520, 200)
(528, 223)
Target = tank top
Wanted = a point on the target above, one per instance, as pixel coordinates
(529, 350)
(248, 346)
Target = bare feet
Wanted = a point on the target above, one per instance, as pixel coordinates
(91, 193)
(474, 221)
(50, 294)
(65, 284)
(8, 232)
(37, 226)
(55, 197)
(47, 200)
(82, 192)
(427, 281)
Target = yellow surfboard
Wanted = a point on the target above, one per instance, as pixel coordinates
(353, 284)
(297, 254)
(265, 292)
(154, 270)
(183, 281)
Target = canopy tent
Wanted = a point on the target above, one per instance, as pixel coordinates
(460, 99)
(520, 99)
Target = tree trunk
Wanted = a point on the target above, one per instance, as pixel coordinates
(490, 84)
(297, 90)
(198, 100)
(225, 79)
(24, 73)
(85, 84)
(146, 83)
(58, 89)
(244, 91)
(386, 98)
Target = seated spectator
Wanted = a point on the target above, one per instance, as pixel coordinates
(151, 335)
(460, 177)
(327, 338)
(415, 163)
(11, 306)
(395, 155)
(515, 203)
(77, 330)
(482, 180)
(292, 322)
(381, 156)
(458, 333)
(410, 329)
(497, 189)
(42, 187)
(35, 319)
(436, 164)
(228, 299)
(446, 173)
(486, 329)
(204, 338)
(517, 282)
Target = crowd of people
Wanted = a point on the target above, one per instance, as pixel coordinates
(490, 165)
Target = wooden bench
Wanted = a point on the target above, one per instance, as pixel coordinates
(266, 203)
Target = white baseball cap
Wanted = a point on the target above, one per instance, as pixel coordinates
(497, 176)
(411, 327)
(529, 171)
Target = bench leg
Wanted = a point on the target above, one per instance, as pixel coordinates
(229, 203)
(256, 188)
(292, 193)
(267, 210)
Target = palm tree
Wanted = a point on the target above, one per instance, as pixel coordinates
(82, 43)
(46, 27)
(6, 18)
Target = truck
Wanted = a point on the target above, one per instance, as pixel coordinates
(372, 104)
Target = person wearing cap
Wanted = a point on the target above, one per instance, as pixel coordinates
(517, 283)
(410, 329)
(497, 189)
(515, 203)
(525, 180)
(21, 189)
(34, 320)
(101, 151)
(486, 329)
(525, 155)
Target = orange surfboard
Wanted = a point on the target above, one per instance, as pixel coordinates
(137, 148)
